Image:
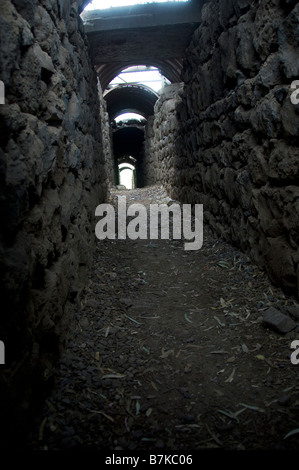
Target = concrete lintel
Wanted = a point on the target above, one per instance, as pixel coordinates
(142, 16)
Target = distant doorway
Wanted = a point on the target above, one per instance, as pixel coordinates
(127, 175)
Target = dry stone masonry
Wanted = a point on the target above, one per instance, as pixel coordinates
(230, 140)
(165, 143)
(53, 176)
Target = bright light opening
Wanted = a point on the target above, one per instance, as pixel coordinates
(126, 175)
(141, 74)
(128, 116)
(103, 5)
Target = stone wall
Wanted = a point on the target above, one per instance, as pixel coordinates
(164, 140)
(53, 176)
(149, 153)
(238, 152)
(106, 139)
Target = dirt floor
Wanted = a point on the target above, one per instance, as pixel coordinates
(169, 353)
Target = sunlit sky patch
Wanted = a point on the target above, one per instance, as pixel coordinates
(127, 116)
(149, 76)
(103, 4)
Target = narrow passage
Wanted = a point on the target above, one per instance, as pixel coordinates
(169, 352)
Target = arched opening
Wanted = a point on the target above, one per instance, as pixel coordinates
(137, 48)
(130, 98)
(169, 68)
(127, 175)
(128, 150)
(129, 105)
(129, 118)
(146, 75)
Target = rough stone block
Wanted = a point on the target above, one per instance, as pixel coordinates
(278, 321)
(43, 58)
